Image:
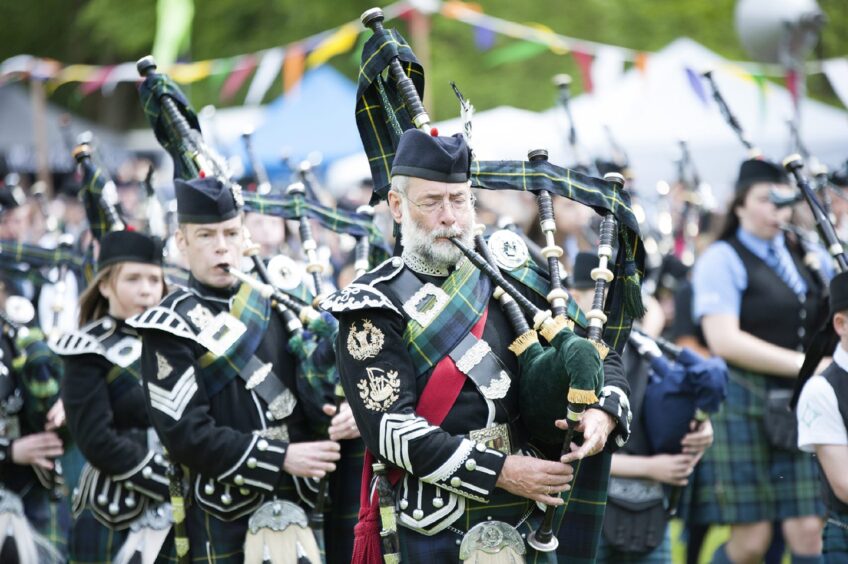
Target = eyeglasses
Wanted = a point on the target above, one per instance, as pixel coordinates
(458, 202)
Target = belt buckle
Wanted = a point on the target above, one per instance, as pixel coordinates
(495, 437)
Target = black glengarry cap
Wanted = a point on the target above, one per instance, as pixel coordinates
(441, 159)
(753, 171)
(204, 200)
(129, 246)
(581, 275)
(839, 293)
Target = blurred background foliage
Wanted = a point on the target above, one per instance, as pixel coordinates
(114, 31)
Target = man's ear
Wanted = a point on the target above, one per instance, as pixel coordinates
(395, 206)
(840, 323)
(181, 238)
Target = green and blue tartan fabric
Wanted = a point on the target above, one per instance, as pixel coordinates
(624, 301)
(15, 253)
(41, 372)
(742, 478)
(120, 380)
(94, 180)
(254, 311)
(51, 519)
(468, 292)
(580, 521)
(317, 375)
(92, 542)
(835, 538)
(381, 114)
(334, 219)
(531, 276)
(151, 91)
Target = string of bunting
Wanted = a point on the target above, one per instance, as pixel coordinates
(287, 64)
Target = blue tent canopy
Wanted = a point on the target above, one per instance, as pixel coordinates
(316, 116)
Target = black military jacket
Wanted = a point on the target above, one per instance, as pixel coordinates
(230, 441)
(444, 466)
(107, 418)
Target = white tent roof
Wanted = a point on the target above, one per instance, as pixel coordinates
(648, 113)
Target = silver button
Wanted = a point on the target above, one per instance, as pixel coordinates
(397, 261)
(130, 502)
(244, 491)
(803, 314)
(209, 488)
(226, 499)
(147, 471)
(471, 465)
(480, 447)
(418, 514)
(456, 481)
(102, 499)
(262, 444)
(269, 416)
(129, 486)
(251, 462)
(239, 480)
(404, 504)
(113, 508)
(802, 332)
(159, 460)
(438, 502)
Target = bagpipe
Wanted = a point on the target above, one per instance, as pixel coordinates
(566, 376)
(683, 387)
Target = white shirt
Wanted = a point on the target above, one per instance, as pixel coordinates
(819, 419)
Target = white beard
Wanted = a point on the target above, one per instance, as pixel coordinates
(439, 254)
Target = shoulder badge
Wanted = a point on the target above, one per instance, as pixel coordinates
(508, 249)
(365, 343)
(200, 316)
(425, 304)
(163, 367)
(380, 389)
(357, 296)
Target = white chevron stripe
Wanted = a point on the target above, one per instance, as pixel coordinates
(173, 402)
(396, 431)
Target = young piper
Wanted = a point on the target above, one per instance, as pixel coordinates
(224, 396)
(125, 474)
(823, 427)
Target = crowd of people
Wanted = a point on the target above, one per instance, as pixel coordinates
(198, 398)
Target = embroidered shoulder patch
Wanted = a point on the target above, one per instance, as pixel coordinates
(380, 389)
(200, 316)
(163, 367)
(365, 343)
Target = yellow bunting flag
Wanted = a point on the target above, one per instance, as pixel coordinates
(186, 73)
(341, 41)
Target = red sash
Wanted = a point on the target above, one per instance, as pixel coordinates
(435, 403)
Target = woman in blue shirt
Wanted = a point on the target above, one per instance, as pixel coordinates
(757, 303)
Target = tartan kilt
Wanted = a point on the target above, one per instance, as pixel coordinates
(52, 519)
(92, 542)
(836, 538)
(444, 546)
(344, 503)
(580, 524)
(742, 478)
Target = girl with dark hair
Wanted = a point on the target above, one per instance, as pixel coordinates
(757, 303)
(124, 481)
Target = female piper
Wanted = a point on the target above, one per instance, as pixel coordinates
(120, 495)
(757, 303)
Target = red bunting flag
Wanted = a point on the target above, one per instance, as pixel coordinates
(792, 79)
(584, 61)
(236, 79)
(98, 79)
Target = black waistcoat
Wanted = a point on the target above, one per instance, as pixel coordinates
(838, 380)
(770, 310)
